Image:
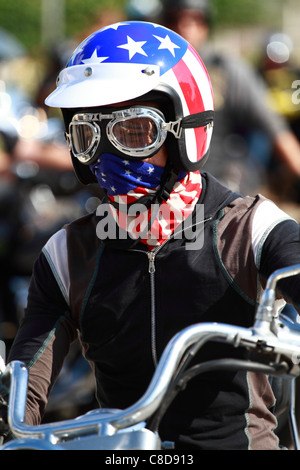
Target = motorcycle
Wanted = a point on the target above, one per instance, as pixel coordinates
(273, 339)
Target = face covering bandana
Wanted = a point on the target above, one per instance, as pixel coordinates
(127, 181)
(120, 176)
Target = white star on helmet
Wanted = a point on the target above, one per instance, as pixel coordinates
(94, 59)
(133, 47)
(166, 43)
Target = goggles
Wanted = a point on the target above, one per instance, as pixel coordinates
(137, 132)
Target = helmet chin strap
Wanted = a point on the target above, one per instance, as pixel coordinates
(168, 180)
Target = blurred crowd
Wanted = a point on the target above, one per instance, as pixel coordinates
(39, 191)
(255, 146)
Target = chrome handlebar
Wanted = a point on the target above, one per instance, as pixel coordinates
(269, 335)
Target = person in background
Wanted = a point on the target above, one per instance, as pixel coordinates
(240, 158)
(276, 65)
(33, 156)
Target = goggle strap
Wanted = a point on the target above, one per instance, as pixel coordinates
(197, 120)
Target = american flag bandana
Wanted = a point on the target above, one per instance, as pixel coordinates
(137, 179)
(119, 176)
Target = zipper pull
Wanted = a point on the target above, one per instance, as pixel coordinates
(151, 257)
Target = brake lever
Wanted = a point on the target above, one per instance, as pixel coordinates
(265, 318)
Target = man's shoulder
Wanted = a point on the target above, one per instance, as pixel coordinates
(215, 196)
(215, 193)
(82, 228)
(87, 220)
(79, 232)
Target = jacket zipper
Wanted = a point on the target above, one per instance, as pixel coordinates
(151, 269)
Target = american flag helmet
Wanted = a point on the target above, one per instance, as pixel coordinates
(137, 60)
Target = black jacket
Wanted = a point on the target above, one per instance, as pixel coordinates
(127, 304)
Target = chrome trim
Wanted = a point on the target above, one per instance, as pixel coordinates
(268, 335)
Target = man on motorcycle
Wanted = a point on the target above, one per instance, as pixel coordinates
(168, 247)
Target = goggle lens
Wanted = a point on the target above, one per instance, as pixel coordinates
(82, 137)
(135, 133)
